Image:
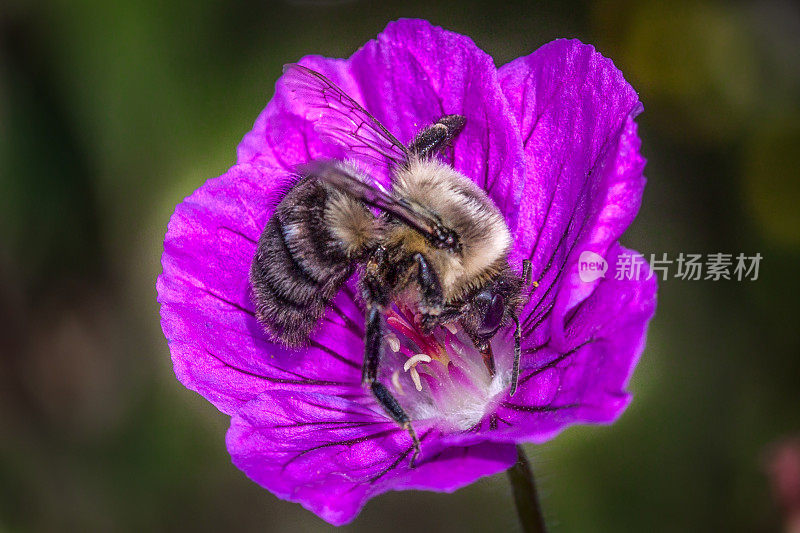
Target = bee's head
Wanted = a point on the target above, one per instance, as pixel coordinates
(492, 307)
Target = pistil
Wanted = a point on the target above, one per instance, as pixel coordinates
(459, 388)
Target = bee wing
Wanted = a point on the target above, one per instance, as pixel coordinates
(331, 172)
(341, 119)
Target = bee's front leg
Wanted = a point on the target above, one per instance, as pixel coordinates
(377, 298)
(526, 272)
(517, 354)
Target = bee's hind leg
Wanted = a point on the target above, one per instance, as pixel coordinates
(373, 350)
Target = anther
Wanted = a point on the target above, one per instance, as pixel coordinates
(410, 367)
(393, 342)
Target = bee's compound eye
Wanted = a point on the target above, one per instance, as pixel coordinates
(493, 316)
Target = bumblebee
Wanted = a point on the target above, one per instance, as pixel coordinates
(438, 244)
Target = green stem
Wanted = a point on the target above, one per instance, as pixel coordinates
(526, 499)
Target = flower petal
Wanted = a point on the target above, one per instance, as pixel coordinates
(414, 73)
(218, 347)
(584, 177)
(409, 77)
(332, 455)
(282, 136)
(583, 379)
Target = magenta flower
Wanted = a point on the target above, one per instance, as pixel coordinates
(551, 138)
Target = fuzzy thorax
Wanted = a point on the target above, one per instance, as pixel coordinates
(462, 206)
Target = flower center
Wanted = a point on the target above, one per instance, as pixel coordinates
(443, 377)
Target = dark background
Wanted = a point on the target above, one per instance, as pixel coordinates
(112, 112)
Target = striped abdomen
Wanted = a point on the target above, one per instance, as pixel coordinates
(299, 266)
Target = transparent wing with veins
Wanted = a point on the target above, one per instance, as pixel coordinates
(339, 119)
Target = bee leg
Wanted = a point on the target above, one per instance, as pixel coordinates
(488, 357)
(517, 354)
(437, 135)
(373, 349)
(526, 272)
(430, 305)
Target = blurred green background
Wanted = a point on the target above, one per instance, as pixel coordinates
(112, 112)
